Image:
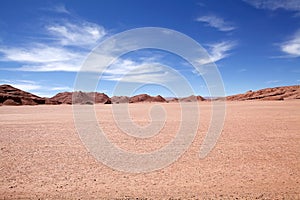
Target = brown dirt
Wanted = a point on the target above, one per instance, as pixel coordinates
(256, 157)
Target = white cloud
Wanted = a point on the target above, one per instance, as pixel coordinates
(38, 53)
(45, 58)
(292, 46)
(36, 87)
(66, 53)
(84, 34)
(291, 5)
(216, 22)
(242, 70)
(140, 72)
(61, 88)
(71, 66)
(60, 9)
(26, 85)
(217, 52)
(273, 81)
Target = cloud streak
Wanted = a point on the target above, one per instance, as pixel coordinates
(146, 71)
(273, 81)
(217, 51)
(38, 53)
(25, 85)
(35, 87)
(292, 46)
(82, 34)
(216, 22)
(61, 9)
(40, 57)
(290, 5)
(66, 50)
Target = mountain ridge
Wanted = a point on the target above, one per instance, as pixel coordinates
(10, 95)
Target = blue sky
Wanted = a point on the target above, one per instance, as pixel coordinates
(254, 43)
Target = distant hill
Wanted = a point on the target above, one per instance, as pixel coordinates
(119, 99)
(10, 95)
(146, 98)
(277, 93)
(81, 98)
(191, 98)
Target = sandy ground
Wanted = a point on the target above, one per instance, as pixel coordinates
(257, 155)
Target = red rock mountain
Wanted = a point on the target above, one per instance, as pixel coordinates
(10, 95)
(146, 98)
(277, 93)
(119, 99)
(81, 98)
(63, 97)
(191, 98)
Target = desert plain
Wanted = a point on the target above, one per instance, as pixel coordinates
(257, 155)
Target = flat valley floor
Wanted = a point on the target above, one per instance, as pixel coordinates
(257, 155)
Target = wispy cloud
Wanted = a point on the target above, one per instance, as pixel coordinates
(273, 81)
(242, 70)
(46, 59)
(146, 71)
(290, 5)
(26, 85)
(72, 66)
(36, 87)
(40, 57)
(57, 8)
(84, 34)
(61, 88)
(37, 53)
(292, 46)
(216, 22)
(60, 8)
(217, 52)
(69, 45)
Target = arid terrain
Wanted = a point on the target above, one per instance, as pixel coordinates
(257, 155)
(12, 96)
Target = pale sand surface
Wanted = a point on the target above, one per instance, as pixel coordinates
(257, 155)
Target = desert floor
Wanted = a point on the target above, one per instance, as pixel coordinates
(257, 155)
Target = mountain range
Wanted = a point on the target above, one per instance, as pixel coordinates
(10, 95)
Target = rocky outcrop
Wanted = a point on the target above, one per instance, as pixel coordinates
(63, 97)
(191, 98)
(100, 97)
(119, 99)
(10, 95)
(81, 98)
(146, 98)
(277, 93)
